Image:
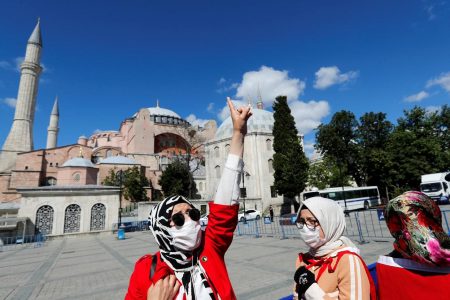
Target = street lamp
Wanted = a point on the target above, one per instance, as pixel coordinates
(244, 191)
(120, 182)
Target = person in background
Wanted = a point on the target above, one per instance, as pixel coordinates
(419, 266)
(190, 263)
(271, 213)
(332, 268)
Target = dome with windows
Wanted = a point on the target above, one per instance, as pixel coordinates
(260, 122)
(78, 162)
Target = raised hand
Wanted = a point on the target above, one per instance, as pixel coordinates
(239, 117)
(164, 289)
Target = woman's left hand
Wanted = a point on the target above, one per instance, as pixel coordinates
(304, 279)
(239, 117)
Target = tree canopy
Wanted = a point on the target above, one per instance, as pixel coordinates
(133, 183)
(289, 161)
(177, 179)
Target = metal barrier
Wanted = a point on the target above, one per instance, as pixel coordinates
(27, 241)
(362, 226)
(133, 226)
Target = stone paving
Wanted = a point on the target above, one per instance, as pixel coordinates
(98, 267)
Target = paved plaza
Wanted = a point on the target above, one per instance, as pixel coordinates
(98, 267)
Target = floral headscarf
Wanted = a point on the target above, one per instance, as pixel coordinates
(415, 222)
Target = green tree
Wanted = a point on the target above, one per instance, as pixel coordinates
(372, 136)
(133, 181)
(176, 179)
(416, 149)
(289, 161)
(325, 173)
(337, 141)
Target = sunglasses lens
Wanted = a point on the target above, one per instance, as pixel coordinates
(178, 219)
(194, 214)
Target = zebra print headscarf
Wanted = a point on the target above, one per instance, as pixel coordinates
(184, 264)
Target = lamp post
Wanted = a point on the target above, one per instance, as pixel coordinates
(343, 190)
(244, 191)
(120, 182)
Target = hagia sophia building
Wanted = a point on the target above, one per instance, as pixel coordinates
(58, 190)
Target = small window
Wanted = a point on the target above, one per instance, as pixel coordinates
(217, 152)
(26, 167)
(270, 162)
(76, 177)
(273, 192)
(200, 186)
(217, 171)
(268, 145)
(57, 164)
(51, 164)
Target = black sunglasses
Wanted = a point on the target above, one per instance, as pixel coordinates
(178, 218)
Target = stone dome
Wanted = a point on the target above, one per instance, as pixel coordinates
(78, 162)
(159, 111)
(118, 160)
(260, 122)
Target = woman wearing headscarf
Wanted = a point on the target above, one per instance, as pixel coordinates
(190, 263)
(419, 266)
(332, 268)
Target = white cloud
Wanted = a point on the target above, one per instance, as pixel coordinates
(11, 102)
(443, 81)
(225, 86)
(308, 115)
(210, 107)
(195, 121)
(328, 76)
(308, 148)
(417, 97)
(270, 83)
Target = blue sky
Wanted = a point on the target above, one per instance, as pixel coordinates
(107, 59)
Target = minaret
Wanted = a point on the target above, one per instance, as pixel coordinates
(20, 137)
(52, 130)
(259, 104)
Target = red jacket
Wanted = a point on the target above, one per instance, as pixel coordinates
(400, 278)
(222, 222)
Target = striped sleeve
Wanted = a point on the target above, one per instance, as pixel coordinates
(353, 283)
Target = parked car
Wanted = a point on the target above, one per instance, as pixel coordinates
(250, 214)
(288, 219)
(204, 220)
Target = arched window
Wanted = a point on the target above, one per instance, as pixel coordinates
(216, 152)
(200, 186)
(270, 162)
(268, 144)
(108, 153)
(44, 220)
(217, 171)
(76, 176)
(227, 148)
(72, 218)
(49, 181)
(98, 217)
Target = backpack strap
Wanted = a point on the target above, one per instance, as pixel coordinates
(153, 267)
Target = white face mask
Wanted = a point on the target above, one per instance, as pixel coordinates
(311, 237)
(188, 237)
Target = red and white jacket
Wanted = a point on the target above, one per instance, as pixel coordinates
(217, 238)
(401, 278)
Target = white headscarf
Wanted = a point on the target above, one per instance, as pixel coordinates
(332, 221)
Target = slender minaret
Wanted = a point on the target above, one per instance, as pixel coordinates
(52, 130)
(20, 137)
(259, 104)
